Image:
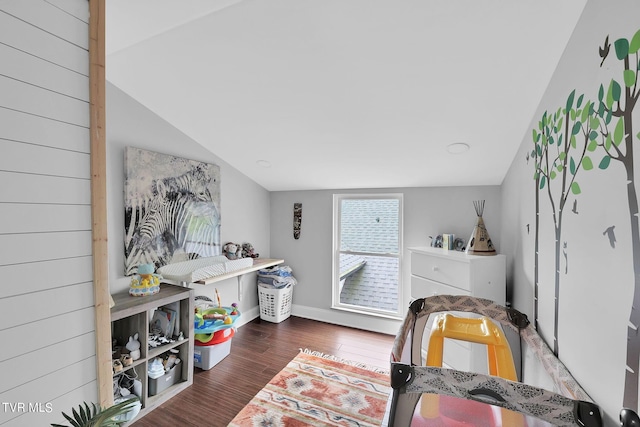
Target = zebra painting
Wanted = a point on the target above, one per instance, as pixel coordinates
(171, 209)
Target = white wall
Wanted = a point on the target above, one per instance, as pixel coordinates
(47, 322)
(596, 280)
(244, 204)
(427, 212)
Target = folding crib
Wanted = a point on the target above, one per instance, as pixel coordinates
(457, 398)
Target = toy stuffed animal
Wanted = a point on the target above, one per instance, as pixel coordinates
(232, 250)
(248, 251)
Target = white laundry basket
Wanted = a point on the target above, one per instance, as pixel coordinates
(275, 304)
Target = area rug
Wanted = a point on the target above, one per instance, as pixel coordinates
(319, 390)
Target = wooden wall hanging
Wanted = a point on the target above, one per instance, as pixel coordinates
(297, 220)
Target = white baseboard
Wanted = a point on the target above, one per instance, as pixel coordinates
(248, 316)
(349, 319)
(336, 317)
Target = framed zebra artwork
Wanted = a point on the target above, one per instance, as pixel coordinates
(171, 209)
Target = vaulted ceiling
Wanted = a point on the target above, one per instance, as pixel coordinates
(316, 94)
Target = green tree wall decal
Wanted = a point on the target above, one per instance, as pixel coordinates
(561, 148)
(615, 118)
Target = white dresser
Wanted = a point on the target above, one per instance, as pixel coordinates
(436, 271)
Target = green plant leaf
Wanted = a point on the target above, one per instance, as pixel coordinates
(593, 145)
(593, 135)
(622, 48)
(579, 101)
(585, 112)
(536, 174)
(560, 140)
(562, 156)
(560, 168)
(576, 128)
(572, 115)
(601, 93)
(72, 421)
(573, 141)
(635, 42)
(569, 104)
(552, 175)
(601, 109)
(594, 123)
(572, 166)
(587, 164)
(87, 417)
(618, 133)
(616, 90)
(609, 101)
(542, 182)
(604, 163)
(629, 78)
(608, 117)
(575, 188)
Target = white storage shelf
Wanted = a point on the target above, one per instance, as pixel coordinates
(437, 271)
(130, 315)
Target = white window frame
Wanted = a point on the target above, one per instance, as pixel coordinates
(336, 304)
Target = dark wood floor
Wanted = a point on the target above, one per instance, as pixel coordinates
(259, 351)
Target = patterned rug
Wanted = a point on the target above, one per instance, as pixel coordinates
(319, 390)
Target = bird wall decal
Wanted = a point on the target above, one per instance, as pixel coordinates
(610, 233)
(604, 50)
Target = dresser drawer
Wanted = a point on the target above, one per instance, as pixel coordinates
(444, 270)
(422, 288)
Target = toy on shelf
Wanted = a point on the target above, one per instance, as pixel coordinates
(134, 347)
(248, 251)
(232, 250)
(145, 282)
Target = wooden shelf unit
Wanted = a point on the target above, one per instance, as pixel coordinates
(131, 315)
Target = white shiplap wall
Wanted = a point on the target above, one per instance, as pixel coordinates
(47, 325)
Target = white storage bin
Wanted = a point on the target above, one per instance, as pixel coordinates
(275, 304)
(207, 356)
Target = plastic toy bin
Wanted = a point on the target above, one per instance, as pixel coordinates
(275, 304)
(158, 385)
(207, 356)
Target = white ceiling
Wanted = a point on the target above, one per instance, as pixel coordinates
(344, 93)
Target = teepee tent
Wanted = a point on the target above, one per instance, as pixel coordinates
(480, 242)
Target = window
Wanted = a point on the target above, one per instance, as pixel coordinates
(367, 247)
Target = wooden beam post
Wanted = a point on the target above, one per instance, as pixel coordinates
(97, 84)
